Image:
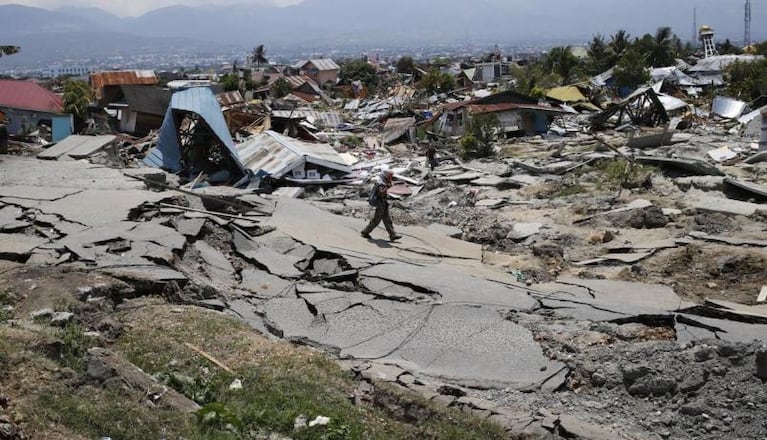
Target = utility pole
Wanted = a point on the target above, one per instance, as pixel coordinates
(747, 28)
(695, 27)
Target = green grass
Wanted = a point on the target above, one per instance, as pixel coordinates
(279, 384)
(6, 306)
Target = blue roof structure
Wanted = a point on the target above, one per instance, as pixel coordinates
(199, 100)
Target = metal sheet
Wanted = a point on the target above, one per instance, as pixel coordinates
(728, 107)
(199, 100)
(276, 155)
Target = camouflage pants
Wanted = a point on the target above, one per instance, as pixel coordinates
(382, 213)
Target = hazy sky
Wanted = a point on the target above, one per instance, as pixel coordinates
(598, 15)
(138, 7)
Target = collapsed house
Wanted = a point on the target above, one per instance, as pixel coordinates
(194, 139)
(517, 114)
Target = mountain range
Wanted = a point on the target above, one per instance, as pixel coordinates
(71, 32)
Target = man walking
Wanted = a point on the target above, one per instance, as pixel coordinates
(378, 199)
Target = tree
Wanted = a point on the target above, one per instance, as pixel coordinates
(631, 70)
(619, 43)
(230, 81)
(478, 141)
(280, 88)
(533, 80)
(560, 60)
(9, 50)
(436, 81)
(359, 70)
(660, 49)
(258, 56)
(600, 57)
(727, 48)
(748, 80)
(77, 97)
(405, 65)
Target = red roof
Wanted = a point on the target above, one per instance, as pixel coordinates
(29, 95)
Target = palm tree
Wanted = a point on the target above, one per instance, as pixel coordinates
(662, 52)
(258, 56)
(9, 50)
(619, 43)
(560, 60)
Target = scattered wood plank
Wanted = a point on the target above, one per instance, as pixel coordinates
(215, 361)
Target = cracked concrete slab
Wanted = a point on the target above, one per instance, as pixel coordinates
(453, 286)
(101, 207)
(82, 242)
(599, 300)
(394, 291)
(190, 227)
(36, 192)
(726, 329)
(340, 234)
(18, 247)
(273, 261)
(264, 284)
(217, 266)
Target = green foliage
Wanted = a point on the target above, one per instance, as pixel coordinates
(77, 96)
(747, 81)
(75, 345)
(478, 140)
(727, 48)
(631, 70)
(659, 50)
(562, 62)
(600, 56)
(533, 80)
(436, 82)
(219, 416)
(231, 81)
(353, 141)
(6, 305)
(280, 88)
(258, 55)
(405, 65)
(761, 48)
(9, 50)
(358, 70)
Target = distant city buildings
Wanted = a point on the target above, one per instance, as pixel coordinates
(57, 70)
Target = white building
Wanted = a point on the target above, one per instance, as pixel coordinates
(57, 70)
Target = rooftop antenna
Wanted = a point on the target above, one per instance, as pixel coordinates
(747, 19)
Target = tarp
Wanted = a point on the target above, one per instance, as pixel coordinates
(566, 94)
(199, 100)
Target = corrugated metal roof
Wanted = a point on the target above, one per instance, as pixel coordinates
(326, 119)
(120, 77)
(321, 63)
(199, 100)
(29, 95)
(230, 98)
(395, 128)
(493, 108)
(277, 155)
(296, 81)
